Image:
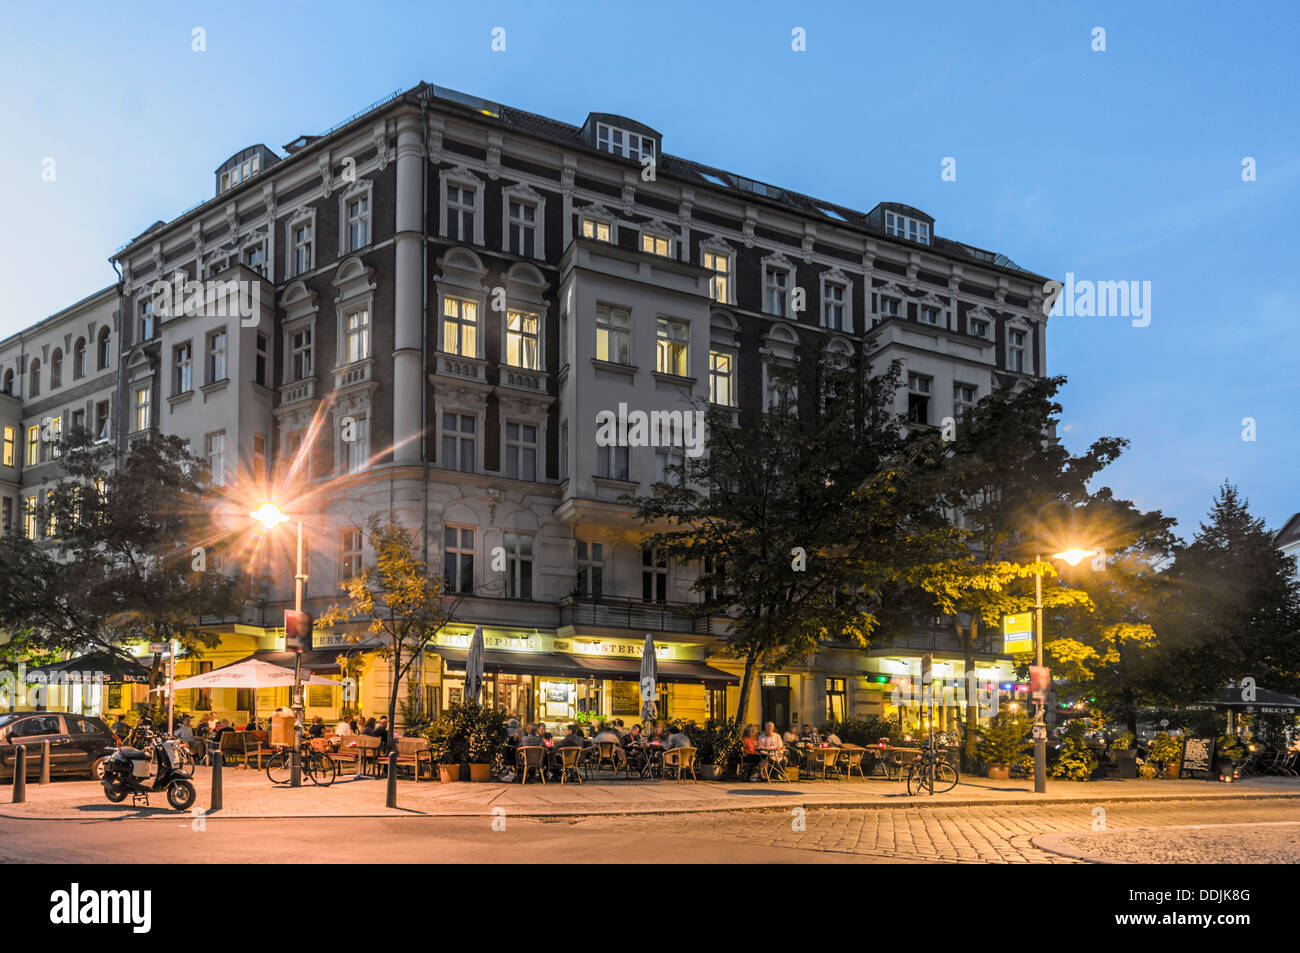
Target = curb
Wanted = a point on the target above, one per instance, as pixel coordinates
(902, 803)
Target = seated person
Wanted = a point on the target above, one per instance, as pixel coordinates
(607, 733)
(833, 739)
(749, 757)
(807, 736)
(676, 739)
(317, 729)
(530, 738)
(572, 738)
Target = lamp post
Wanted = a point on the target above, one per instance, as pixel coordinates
(270, 516)
(1073, 557)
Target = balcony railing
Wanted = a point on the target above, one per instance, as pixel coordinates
(942, 639)
(350, 374)
(636, 615)
(298, 390)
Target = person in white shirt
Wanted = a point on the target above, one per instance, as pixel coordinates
(833, 739)
(343, 728)
(770, 739)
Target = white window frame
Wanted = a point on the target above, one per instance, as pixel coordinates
(459, 550)
(361, 331)
(1025, 350)
(596, 219)
(657, 239)
(518, 449)
(524, 195)
(676, 343)
(444, 319)
(980, 315)
(183, 368)
(904, 226)
(605, 322)
(460, 437)
(216, 359)
(524, 337)
(517, 563)
(462, 178)
(883, 312)
(837, 279)
(616, 140)
(720, 249)
(940, 315)
(613, 460)
(773, 266)
(730, 376)
(352, 456)
(352, 547)
(588, 560)
(142, 410)
(214, 453)
(302, 217)
(362, 191)
(960, 406)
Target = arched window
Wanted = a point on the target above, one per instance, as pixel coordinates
(79, 359)
(56, 368)
(9, 381)
(104, 349)
(34, 378)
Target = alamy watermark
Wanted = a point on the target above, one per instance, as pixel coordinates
(208, 299)
(654, 428)
(1084, 298)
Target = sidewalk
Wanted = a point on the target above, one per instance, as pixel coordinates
(248, 793)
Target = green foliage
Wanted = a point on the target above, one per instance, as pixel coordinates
(1166, 749)
(1004, 739)
(467, 733)
(865, 732)
(716, 742)
(1075, 759)
(1228, 749)
(1123, 742)
(414, 718)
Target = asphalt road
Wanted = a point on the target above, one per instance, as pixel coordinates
(943, 835)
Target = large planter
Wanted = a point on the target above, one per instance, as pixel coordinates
(480, 772)
(448, 773)
(709, 772)
(999, 772)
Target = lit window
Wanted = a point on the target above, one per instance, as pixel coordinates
(519, 566)
(458, 559)
(460, 327)
(670, 353)
(522, 346)
(612, 327)
(720, 284)
(33, 446)
(521, 451)
(358, 335)
(656, 244)
(29, 517)
(143, 418)
(597, 229)
(722, 378)
(836, 700)
(522, 228)
(776, 284)
(56, 437)
(9, 452)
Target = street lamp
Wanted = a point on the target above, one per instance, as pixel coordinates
(1073, 556)
(271, 516)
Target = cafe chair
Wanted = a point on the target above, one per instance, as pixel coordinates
(678, 761)
(851, 761)
(605, 756)
(566, 759)
(532, 759)
(232, 746)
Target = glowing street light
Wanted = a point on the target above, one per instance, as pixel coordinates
(1076, 556)
(269, 515)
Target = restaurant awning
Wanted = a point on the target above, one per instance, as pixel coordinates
(630, 669)
(1262, 702)
(516, 663)
(95, 667)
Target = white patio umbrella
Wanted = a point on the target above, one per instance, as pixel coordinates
(474, 667)
(250, 673)
(649, 676)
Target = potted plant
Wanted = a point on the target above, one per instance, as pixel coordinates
(486, 737)
(1075, 760)
(465, 741)
(1001, 743)
(715, 744)
(1125, 754)
(1166, 751)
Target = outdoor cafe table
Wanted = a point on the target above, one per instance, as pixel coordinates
(905, 755)
(822, 756)
(650, 755)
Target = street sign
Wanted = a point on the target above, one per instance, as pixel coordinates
(1018, 632)
(297, 630)
(157, 648)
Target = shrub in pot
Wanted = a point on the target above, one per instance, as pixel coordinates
(466, 739)
(1001, 743)
(717, 747)
(1075, 760)
(1167, 751)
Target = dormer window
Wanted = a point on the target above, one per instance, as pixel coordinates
(903, 227)
(238, 173)
(622, 142)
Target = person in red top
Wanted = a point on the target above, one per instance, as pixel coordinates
(749, 758)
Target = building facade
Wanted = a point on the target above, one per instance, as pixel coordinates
(424, 310)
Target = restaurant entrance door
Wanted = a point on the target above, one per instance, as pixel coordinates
(776, 706)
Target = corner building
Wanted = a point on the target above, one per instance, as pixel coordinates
(433, 301)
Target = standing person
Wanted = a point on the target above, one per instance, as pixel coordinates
(121, 728)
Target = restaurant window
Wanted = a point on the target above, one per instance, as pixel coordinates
(458, 559)
(591, 569)
(244, 699)
(203, 696)
(716, 703)
(114, 697)
(836, 699)
(519, 566)
(521, 451)
(654, 575)
(458, 442)
(350, 553)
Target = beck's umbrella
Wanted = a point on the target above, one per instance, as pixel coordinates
(474, 667)
(649, 675)
(95, 667)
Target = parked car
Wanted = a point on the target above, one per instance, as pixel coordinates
(78, 743)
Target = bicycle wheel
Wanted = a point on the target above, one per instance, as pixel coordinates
(945, 777)
(916, 778)
(278, 768)
(321, 769)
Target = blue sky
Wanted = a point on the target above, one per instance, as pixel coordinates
(1115, 165)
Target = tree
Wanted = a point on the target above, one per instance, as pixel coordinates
(1013, 492)
(1237, 608)
(403, 604)
(799, 516)
(128, 553)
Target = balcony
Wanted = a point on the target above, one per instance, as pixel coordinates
(941, 639)
(520, 378)
(639, 616)
(350, 374)
(465, 368)
(298, 390)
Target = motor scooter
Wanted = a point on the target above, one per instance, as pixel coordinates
(126, 771)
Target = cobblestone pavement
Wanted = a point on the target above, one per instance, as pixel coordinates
(1268, 843)
(970, 834)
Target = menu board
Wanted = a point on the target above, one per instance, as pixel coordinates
(1198, 756)
(626, 699)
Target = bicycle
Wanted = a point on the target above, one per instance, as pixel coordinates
(931, 771)
(317, 765)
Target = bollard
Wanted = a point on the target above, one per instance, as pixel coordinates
(392, 779)
(45, 763)
(20, 774)
(215, 757)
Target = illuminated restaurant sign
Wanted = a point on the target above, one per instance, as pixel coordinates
(511, 641)
(618, 649)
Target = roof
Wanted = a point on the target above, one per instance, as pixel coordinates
(569, 135)
(1289, 533)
